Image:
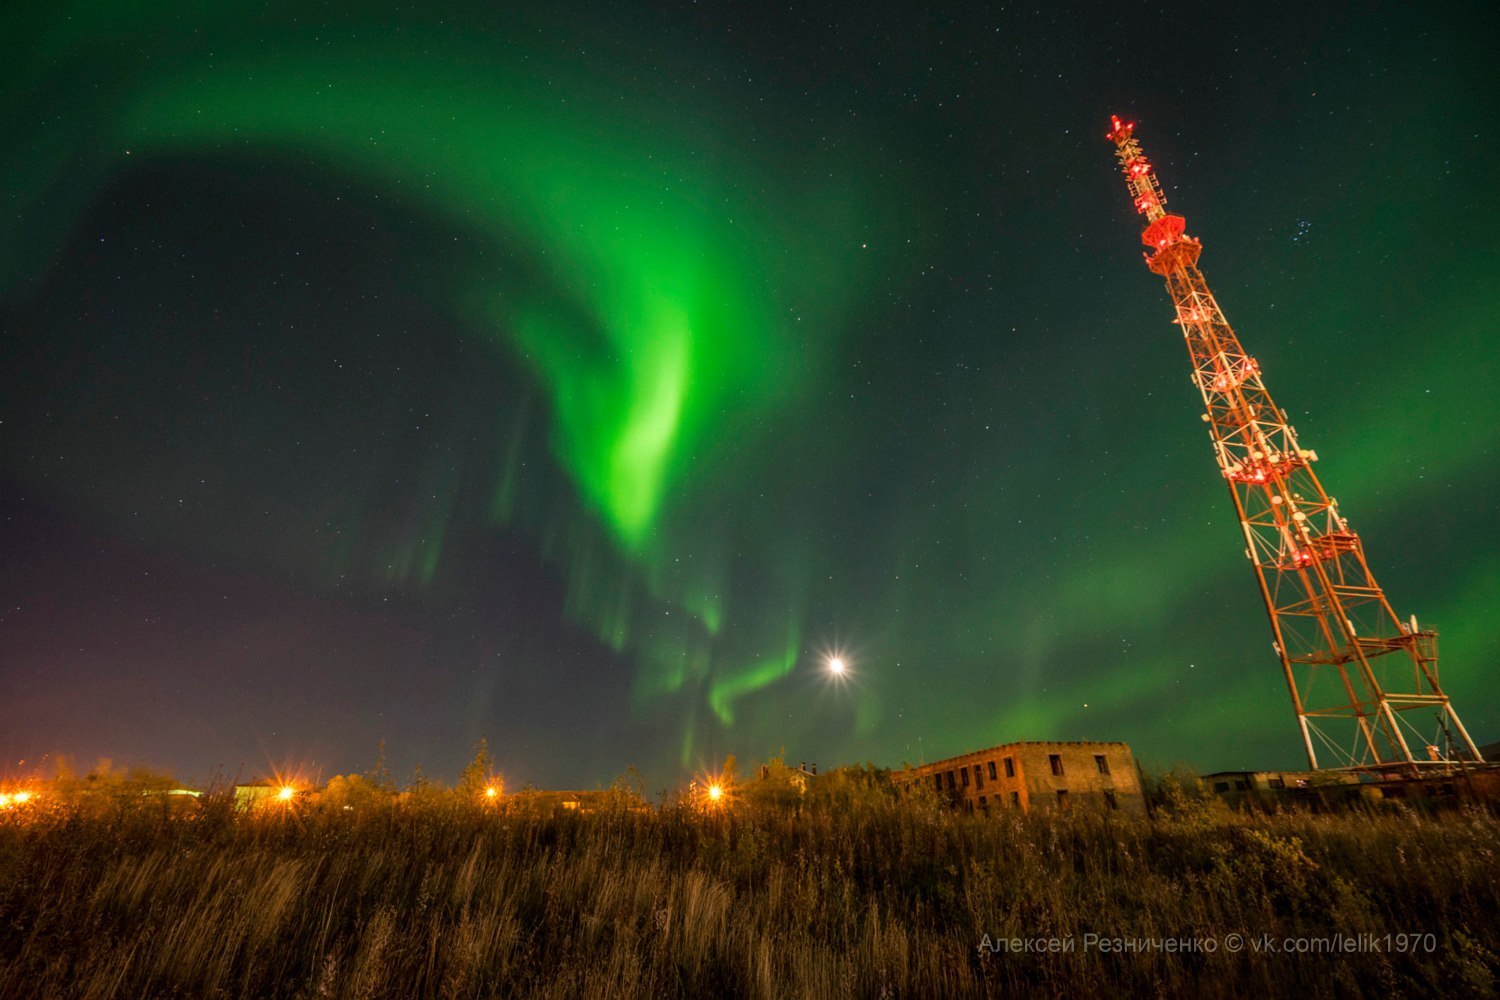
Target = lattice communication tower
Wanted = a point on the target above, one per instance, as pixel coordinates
(1364, 683)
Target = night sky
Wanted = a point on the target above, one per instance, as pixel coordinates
(581, 378)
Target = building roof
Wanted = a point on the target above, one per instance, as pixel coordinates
(1000, 748)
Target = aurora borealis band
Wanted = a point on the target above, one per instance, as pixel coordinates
(580, 380)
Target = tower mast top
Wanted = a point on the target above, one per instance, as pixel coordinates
(1164, 230)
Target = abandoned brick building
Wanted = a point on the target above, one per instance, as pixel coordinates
(1037, 775)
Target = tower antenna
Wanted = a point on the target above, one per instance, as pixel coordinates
(1364, 683)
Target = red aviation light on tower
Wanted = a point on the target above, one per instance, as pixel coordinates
(1363, 682)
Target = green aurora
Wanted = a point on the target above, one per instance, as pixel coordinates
(778, 382)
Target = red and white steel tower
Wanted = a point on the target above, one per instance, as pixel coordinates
(1364, 683)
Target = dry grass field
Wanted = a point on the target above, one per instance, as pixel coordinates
(846, 892)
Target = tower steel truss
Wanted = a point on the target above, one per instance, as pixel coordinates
(1364, 683)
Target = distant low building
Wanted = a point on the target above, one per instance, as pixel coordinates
(1237, 787)
(797, 777)
(574, 801)
(265, 790)
(1334, 787)
(1233, 782)
(1037, 775)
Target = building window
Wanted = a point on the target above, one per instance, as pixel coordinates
(1055, 759)
(1010, 767)
(1101, 763)
(969, 805)
(950, 781)
(1015, 799)
(978, 777)
(992, 772)
(1109, 799)
(965, 773)
(983, 805)
(1241, 784)
(1062, 798)
(1277, 782)
(939, 778)
(1221, 786)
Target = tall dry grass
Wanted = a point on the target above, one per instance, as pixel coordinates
(883, 899)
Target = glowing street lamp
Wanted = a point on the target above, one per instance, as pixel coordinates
(711, 792)
(286, 793)
(837, 666)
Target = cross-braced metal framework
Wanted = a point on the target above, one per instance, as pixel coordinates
(1364, 683)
